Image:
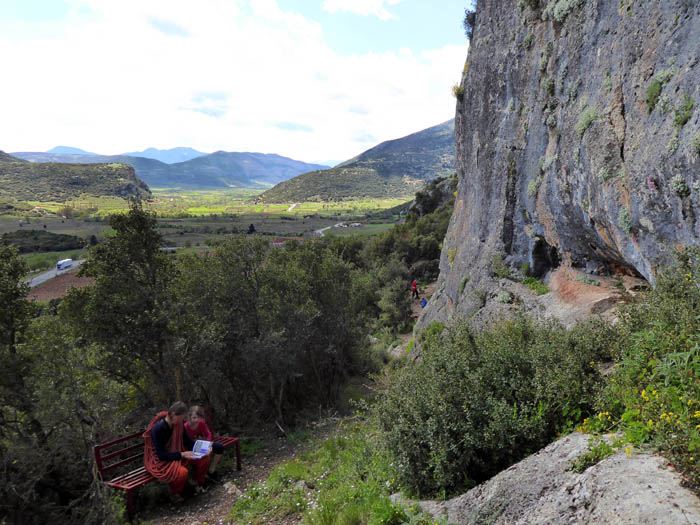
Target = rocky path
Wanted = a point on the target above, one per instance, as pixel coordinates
(214, 506)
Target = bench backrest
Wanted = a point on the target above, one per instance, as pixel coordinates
(123, 451)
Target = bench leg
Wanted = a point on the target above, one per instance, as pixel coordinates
(130, 504)
(238, 455)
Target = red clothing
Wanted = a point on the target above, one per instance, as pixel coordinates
(414, 286)
(174, 472)
(200, 432)
(199, 473)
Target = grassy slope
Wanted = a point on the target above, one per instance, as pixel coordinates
(396, 168)
(60, 182)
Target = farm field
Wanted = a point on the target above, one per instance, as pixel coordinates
(175, 203)
(199, 218)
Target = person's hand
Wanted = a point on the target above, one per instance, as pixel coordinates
(209, 452)
(187, 454)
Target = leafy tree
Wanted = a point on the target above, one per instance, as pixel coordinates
(127, 310)
(46, 437)
(15, 310)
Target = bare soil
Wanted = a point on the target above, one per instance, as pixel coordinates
(58, 286)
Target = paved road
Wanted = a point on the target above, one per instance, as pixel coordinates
(43, 277)
(320, 232)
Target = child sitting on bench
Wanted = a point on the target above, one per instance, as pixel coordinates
(196, 428)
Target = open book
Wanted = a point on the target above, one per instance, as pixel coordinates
(201, 448)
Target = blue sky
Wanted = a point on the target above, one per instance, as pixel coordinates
(308, 79)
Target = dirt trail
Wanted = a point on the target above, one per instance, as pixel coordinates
(423, 291)
(214, 506)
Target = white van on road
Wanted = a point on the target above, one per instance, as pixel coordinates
(64, 263)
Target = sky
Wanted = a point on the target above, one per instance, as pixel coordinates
(308, 79)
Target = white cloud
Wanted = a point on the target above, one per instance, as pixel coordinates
(220, 79)
(361, 7)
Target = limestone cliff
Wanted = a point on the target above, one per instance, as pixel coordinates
(577, 138)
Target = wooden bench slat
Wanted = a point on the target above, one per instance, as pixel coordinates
(122, 462)
(120, 440)
(116, 454)
(133, 479)
(225, 440)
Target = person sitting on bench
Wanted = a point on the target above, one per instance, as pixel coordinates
(168, 450)
(196, 428)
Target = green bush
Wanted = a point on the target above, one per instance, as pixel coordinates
(684, 111)
(624, 221)
(549, 86)
(598, 450)
(536, 286)
(463, 283)
(653, 94)
(585, 120)
(475, 403)
(499, 268)
(560, 9)
(534, 186)
(654, 394)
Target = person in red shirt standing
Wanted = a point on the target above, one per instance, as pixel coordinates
(414, 290)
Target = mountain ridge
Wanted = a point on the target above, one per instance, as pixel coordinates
(394, 168)
(168, 156)
(215, 170)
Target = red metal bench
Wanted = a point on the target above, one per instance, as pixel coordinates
(120, 455)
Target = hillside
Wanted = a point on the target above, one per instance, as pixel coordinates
(61, 182)
(217, 170)
(395, 168)
(4, 157)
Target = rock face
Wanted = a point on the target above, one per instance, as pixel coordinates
(541, 489)
(577, 138)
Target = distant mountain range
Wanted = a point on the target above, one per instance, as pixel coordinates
(59, 182)
(216, 170)
(395, 168)
(169, 156)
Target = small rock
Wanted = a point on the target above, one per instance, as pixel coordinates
(301, 485)
(231, 488)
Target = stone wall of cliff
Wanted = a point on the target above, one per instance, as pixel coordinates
(577, 143)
